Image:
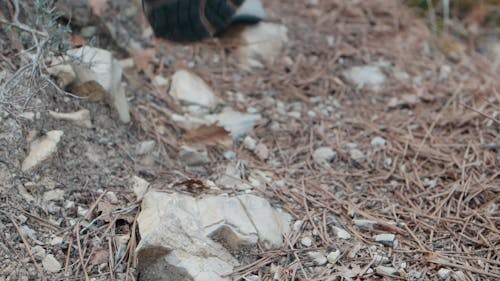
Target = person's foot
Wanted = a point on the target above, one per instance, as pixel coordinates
(194, 20)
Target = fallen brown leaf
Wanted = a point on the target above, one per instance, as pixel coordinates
(212, 135)
(91, 90)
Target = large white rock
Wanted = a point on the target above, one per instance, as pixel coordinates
(261, 44)
(41, 149)
(94, 64)
(189, 89)
(184, 228)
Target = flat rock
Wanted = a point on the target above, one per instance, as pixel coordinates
(51, 264)
(41, 149)
(38, 252)
(386, 239)
(180, 230)
(80, 118)
(368, 75)
(341, 233)
(386, 270)
(53, 195)
(145, 147)
(189, 89)
(99, 65)
(261, 45)
(193, 156)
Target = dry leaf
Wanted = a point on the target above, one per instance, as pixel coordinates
(91, 90)
(98, 6)
(212, 135)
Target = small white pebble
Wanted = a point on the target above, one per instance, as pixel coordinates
(249, 143)
(333, 256)
(386, 239)
(444, 273)
(318, 258)
(378, 142)
(341, 233)
(357, 155)
(306, 242)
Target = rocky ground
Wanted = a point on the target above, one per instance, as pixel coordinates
(338, 140)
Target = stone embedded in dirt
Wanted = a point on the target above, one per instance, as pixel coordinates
(324, 156)
(229, 155)
(181, 231)
(41, 149)
(140, 187)
(38, 252)
(333, 256)
(365, 224)
(250, 143)
(386, 270)
(341, 233)
(386, 239)
(112, 198)
(357, 155)
(261, 45)
(368, 75)
(306, 241)
(80, 118)
(193, 157)
(51, 264)
(53, 195)
(378, 142)
(94, 64)
(319, 258)
(459, 276)
(237, 123)
(189, 89)
(444, 273)
(82, 211)
(56, 241)
(145, 147)
(261, 151)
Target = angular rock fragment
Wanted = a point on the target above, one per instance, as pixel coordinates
(41, 149)
(99, 65)
(261, 45)
(178, 232)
